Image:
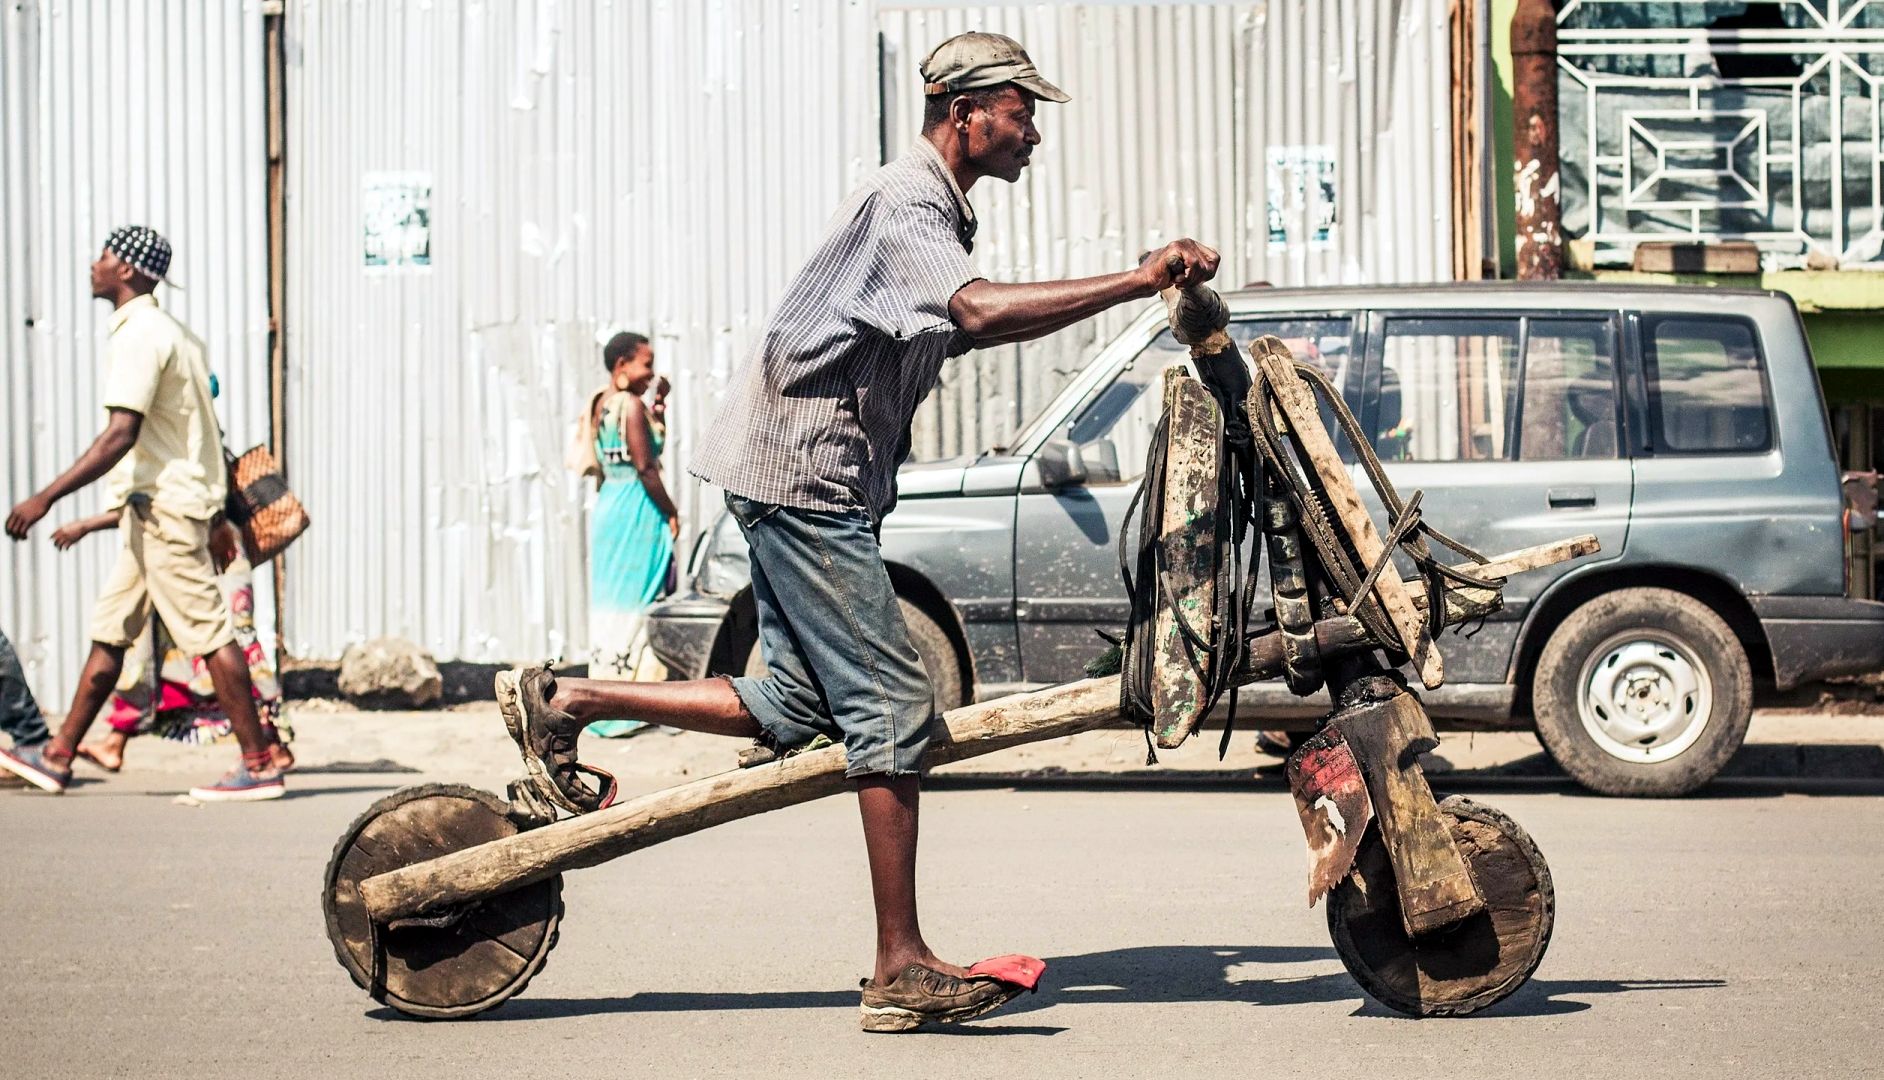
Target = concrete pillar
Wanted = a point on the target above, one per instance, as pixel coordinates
(1534, 112)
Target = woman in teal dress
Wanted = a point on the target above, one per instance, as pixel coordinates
(632, 529)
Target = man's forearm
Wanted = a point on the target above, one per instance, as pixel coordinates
(994, 313)
(107, 450)
(983, 343)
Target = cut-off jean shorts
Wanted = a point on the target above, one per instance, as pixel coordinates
(838, 654)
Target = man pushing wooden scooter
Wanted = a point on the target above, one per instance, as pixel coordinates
(443, 901)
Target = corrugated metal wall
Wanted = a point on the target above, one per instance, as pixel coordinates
(1147, 151)
(659, 165)
(664, 165)
(1176, 112)
(119, 111)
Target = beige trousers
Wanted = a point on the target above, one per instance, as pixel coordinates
(164, 566)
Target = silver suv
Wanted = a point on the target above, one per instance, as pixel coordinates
(1683, 427)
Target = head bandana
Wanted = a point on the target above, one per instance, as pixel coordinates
(143, 250)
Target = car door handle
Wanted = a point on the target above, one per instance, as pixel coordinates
(1571, 498)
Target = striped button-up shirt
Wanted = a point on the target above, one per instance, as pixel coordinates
(818, 418)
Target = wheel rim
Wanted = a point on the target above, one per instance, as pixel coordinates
(1644, 696)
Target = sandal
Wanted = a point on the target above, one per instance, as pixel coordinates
(546, 737)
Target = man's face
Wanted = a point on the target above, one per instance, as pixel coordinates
(1002, 136)
(108, 272)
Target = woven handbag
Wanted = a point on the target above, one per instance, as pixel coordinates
(261, 505)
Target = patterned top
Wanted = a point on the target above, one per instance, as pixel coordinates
(818, 418)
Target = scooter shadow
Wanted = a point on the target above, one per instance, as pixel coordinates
(1145, 975)
(1165, 973)
(1152, 975)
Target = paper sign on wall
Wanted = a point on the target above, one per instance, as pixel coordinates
(396, 208)
(1302, 196)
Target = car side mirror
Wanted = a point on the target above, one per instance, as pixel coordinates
(1060, 464)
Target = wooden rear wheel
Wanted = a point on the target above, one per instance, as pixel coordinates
(465, 960)
(1462, 968)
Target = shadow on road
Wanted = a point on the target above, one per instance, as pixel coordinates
(377, 765)
(1758, 770)
(346, 789)
(1145, 975)
(125, 791)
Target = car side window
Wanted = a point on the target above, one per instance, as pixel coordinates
(1569, 394)
(1448, 389)
(1706, 386)
(1114, 430)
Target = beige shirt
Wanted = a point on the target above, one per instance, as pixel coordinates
(155, 367)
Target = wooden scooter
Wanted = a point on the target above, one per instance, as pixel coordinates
(443, 900)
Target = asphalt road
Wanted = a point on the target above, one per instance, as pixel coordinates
(1735, 934)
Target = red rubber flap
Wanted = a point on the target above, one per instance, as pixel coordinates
(1016, 969)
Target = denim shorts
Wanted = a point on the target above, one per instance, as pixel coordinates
(838, 656)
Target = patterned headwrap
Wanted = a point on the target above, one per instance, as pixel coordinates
(143, 249)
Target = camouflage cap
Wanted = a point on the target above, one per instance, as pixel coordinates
(975, 61)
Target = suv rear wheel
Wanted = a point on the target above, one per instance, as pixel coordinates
(1642, 692)
(932, 644)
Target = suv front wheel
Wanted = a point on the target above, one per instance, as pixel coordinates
(1642, 692)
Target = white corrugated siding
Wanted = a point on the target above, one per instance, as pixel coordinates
(658, 165)
(1174, 110)
(119, 112)
(664, 165)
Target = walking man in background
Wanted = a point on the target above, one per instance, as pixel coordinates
(20, 717)
(807, 446)
(162, 451)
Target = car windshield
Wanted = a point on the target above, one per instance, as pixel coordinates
(1321, 340)
(1054, 407)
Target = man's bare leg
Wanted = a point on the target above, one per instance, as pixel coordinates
(229, 670)
(706, 705)
(889, 805)
(96, 682)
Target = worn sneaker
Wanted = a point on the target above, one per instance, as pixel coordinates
(241, 785)
(923, 996)
(29, 764)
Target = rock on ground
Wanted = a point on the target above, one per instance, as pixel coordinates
(390, 671)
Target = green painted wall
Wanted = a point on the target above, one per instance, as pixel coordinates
(1504, 149)
(1848, 348)
(1846, 340)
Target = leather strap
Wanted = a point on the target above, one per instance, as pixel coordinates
(265, 489)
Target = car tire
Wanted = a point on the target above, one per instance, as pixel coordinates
(1642, 692)
(932, 643)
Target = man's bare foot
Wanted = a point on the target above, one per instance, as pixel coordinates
(281, 757)
(107, 754)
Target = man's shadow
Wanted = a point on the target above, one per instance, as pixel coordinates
(1144, 975)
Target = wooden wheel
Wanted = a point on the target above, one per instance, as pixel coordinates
(464, 960)
(1463, 968)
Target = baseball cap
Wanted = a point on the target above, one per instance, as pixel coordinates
(977, 60)
(143, 249)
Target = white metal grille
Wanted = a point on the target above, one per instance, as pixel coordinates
(1701, 120)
